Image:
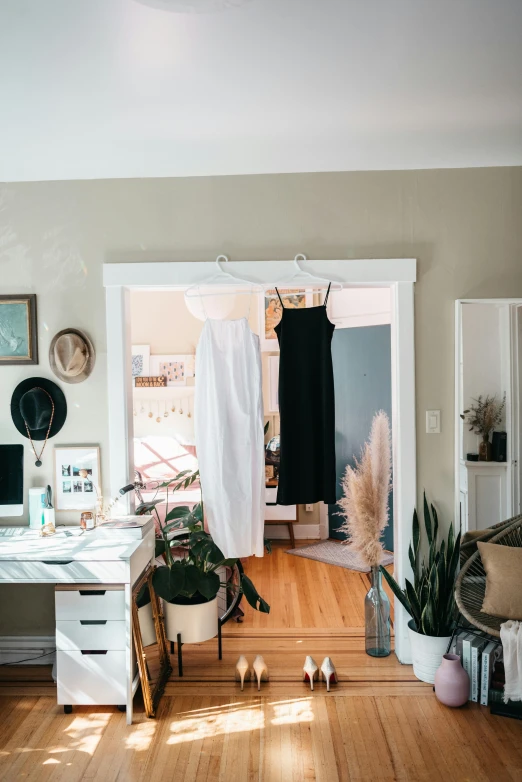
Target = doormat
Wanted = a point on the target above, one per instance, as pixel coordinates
(333, 553)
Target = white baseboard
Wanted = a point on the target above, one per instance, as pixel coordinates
(30, 648)
(301, 532)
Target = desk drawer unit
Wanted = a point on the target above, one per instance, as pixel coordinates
(96, 634)
(91, 677)
(57, 571)
(274, 511)
(91, 634)
(89, 603)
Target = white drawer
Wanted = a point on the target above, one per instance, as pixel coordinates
(271, 494)
(99, 634)
(90, 603)
(68, 571)
(91, 678)
(280, 512)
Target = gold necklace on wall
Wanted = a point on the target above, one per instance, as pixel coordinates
(38, 462)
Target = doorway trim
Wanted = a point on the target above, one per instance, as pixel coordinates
(399, 274)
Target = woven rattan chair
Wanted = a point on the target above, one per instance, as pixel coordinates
(471, 582)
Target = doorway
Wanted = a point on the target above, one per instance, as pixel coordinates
(396, 275)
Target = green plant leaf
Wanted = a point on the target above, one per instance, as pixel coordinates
(414, 602)
(208, 585)
(191, 582)
(252, 595)
(145, 508)
(397, 591)
(180, 512)
(159, 547)
(197, 511)
(427, 520)
(169, 582)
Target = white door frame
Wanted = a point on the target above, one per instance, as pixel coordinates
(513, 407)
(399, 274)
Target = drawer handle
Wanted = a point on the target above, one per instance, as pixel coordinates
(93, 651)
(57, 561)
(93, 621)
(88, 592)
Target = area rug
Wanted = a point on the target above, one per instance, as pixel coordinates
(336, 554)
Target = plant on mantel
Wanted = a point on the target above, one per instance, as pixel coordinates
(482, 417)
(190, 574)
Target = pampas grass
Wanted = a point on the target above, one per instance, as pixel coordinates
(366, 490)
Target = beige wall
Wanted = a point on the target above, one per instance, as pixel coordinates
(464, 226)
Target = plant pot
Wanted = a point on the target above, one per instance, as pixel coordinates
(147, 629)
(451, 682)
(195, 623)
(485, 449)
(426, 652)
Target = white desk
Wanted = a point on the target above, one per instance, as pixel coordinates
(98, 615)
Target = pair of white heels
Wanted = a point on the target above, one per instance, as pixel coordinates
(311, 672)
(244, 673)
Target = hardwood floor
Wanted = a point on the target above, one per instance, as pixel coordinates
(378, 723)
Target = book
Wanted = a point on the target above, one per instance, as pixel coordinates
(466, 657)
(477, 646)
(487, 671)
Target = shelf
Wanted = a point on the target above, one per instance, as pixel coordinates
(485, 465)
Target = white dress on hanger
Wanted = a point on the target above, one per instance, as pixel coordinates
(228, 421)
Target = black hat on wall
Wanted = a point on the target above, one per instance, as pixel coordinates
(32, 407)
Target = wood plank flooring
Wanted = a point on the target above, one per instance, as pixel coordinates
(378, 723)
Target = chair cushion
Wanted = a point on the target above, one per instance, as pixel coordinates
(503, 566)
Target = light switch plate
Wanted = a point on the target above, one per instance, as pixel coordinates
(309, 506)
(432, 421)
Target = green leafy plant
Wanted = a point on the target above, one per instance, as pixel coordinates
(192, 560)
(430, 600)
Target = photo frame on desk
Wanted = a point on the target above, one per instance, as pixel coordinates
(77, 476)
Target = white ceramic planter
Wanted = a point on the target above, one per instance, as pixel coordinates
(426, 652)
(148, 631)
(196, 623)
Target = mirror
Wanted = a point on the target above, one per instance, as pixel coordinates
(150, 642)
(488, 371)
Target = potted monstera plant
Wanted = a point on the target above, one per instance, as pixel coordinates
(195, 570)
(430, 600)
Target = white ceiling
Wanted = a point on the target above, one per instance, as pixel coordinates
(119, 88)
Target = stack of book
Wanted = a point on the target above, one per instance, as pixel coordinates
(480, 656)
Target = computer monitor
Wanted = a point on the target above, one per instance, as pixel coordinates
(11, 480)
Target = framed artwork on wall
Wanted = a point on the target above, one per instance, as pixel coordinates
(271, 312)
(140, 360)
(76, 477)
(18, 329)
(174, 368)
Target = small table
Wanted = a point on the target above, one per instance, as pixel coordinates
(280, 514)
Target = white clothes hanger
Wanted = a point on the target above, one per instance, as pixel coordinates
(222, 279)
(301, 278)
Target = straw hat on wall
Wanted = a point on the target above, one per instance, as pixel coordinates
(72, 356)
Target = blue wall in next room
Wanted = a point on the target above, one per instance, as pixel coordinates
(362, 375)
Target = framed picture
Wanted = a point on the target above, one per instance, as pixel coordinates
(76, 477)
(18, 335)
(273, 384)
(173, 367)
(271, 312)
(140, 360)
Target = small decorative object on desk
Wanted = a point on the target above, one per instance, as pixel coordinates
(365, 509)
(87, 520)
(482, 417)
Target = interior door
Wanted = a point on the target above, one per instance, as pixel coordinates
(362, 375)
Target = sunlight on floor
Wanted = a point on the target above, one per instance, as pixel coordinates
(141, 736)
(85, 733)
(238, 718)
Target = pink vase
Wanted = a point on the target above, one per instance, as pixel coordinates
(451, 681)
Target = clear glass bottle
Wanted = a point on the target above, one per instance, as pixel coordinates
(377, 618)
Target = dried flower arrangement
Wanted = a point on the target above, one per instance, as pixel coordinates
(366, 490)
(483, 416)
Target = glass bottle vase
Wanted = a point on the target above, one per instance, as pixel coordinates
(377, 618)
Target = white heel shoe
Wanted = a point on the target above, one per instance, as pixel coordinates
(310, 671)
(242, 671)
(261, 670)
(329, 673)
